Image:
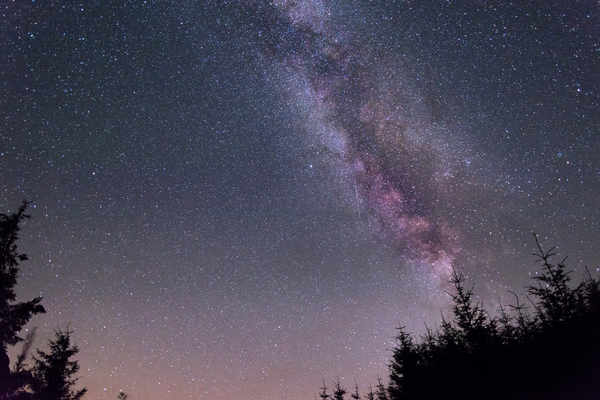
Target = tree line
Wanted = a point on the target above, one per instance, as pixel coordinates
(545, 348)
(47, 375)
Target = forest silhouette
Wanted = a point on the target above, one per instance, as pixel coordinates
(546, 347)
(51, 376)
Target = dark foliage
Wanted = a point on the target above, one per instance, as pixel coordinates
(355, 395)
(53, 372)
(552, 353)
(51, 376)
(338, 390)
(381, 393)
(323, 395)
(13, 316)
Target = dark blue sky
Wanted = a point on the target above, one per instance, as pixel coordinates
(238, 199)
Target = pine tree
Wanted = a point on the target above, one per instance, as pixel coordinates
(122, 396)
(381, 391)
(323, 395)
(21, 374)
(557, 301)
(370, 395)
(339, 391)
(471, 320)
(20, 364)
(53, 372)
(551, 354)
(355, 395)
(13, 316)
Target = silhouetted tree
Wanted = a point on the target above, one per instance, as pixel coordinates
(53, 372)
(338, 390)
(557, 301)
(552, 353)
(355, 395)
(323, 395)
(371, 394)
(21, 375)
(122, 396)
(381, 392)
(13, 316)
(25, 350)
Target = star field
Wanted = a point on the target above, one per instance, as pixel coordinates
(239, 199)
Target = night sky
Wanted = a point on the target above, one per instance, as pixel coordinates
(237, 199)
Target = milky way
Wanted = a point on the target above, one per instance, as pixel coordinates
(374, 128)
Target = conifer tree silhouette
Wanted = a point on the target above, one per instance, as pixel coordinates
(323, 395)
(355, 395)
(13, 316)
(338, 390)
(552, 353)
(53, 373)
(381, 392)
(371, 394)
